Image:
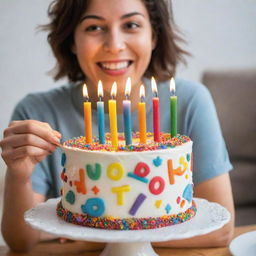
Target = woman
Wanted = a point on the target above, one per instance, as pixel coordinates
(92, 44)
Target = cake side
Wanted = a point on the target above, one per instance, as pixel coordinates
(135, 187)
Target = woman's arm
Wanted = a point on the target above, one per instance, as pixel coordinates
(25, 144)
(216, 190)
(18, 198)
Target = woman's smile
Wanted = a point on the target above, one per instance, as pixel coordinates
(115, 67)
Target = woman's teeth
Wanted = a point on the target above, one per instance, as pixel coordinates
(114, 66)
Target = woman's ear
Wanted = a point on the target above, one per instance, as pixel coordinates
(154, 41)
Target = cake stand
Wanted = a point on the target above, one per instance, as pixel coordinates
(209, 217)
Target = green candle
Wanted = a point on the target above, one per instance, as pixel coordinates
(173, 109)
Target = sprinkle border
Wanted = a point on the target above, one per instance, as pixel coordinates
(111, 223)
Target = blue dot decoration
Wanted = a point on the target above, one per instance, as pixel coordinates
(157, 161)
(168, 208)
(188, 192)
(71, 197)
(94, 207)
(188, 157)
(63, 159)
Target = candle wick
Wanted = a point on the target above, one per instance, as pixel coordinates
(86, 98)
(126, 96)
(100, 98)
(142, 99)
(172, 92)
(155, 94)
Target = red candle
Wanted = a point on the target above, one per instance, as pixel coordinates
(156, 112)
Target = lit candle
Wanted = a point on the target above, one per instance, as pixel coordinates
(101, 117)
(113, 117)
(173, 109)
(87, 116)
(156, 112)
(127, 113)
(142, 116)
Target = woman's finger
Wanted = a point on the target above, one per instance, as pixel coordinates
(34, 127)
(19, 140)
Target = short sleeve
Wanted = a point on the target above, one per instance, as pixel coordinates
(210, 156)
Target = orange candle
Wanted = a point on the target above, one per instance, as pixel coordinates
(142, 116)
(113, 116)
(87, 116)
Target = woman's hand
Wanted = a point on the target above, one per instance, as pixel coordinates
(26, 143)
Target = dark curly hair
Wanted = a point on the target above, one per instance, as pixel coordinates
(65, 15)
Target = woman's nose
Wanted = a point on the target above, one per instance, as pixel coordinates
(114, 42)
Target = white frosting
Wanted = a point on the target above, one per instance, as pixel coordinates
(78, 159)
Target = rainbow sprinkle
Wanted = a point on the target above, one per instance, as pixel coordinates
(165, 142)
(111, 223)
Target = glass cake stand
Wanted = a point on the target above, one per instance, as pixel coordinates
(209, 217)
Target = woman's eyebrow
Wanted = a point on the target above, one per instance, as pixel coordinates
(90, 16)
(131, 14)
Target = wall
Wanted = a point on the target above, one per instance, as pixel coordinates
(221, 34)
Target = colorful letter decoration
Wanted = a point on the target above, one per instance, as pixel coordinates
(115, 171)
(188, 192)
(70, 197)
(94, 207)
(183, 163)
(140, 172)
(120, 193)
(80, 185)
(63, 159)
(138, 202)
(93, 174)
(171, 171)
(152, 185)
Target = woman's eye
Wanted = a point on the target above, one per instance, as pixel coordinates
(93, 28)
(132, 25)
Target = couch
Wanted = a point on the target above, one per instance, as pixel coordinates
(234, 93)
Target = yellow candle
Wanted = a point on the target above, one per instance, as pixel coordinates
(113, 117)
(87, 117)
(142, 116)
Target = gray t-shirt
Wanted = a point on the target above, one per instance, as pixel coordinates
(62, 108)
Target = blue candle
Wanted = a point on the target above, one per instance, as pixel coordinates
(101, 116)
(127, 114)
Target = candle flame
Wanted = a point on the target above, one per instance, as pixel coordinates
(172, 86)
(142, 91)
(100, 89)
(128, 87)
(85, 91)
(154, 86)
(113, 90)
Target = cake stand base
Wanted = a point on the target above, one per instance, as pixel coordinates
(209, 217)
(128, 249)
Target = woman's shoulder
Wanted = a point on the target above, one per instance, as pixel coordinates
(185, 90)
(49, 98)
(40, 104)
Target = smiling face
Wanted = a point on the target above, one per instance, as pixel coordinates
(114, 41)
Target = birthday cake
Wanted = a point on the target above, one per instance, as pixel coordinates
(134, 187)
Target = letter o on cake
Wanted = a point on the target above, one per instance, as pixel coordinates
(115, 171)
(152, 185)
(94, 207)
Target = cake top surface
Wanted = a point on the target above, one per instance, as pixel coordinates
(166, 141)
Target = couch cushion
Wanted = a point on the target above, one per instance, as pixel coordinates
(243, 179)
(234, 93)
